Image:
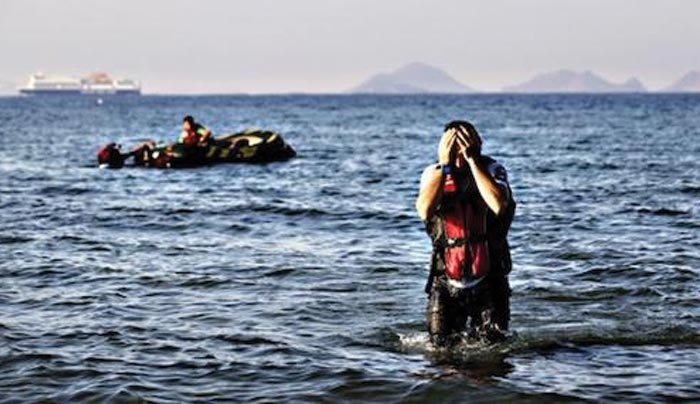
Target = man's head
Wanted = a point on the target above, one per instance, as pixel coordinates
(188, 123)
(462, 126)
(466, 141)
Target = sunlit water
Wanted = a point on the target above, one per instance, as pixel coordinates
(304, 280)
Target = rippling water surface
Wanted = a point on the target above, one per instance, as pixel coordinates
(304, 280)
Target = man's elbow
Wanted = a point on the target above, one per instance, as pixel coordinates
(500, 208)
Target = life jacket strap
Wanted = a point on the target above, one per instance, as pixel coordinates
(459, 242)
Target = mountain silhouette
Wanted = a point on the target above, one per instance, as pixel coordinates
(690, 83)
(569, 81)
(412, 78)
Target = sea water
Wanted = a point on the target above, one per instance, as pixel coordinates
(303, 280)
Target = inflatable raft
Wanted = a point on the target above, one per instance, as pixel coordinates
(251, 146)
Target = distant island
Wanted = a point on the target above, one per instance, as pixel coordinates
(414, 78)
(421, 78)
(690, 83)
(569, 81)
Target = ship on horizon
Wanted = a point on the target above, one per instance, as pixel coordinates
(95, 84)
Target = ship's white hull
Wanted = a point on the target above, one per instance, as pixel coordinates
(31, 91)
(99, 84)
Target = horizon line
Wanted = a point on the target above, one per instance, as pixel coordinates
(350, 94)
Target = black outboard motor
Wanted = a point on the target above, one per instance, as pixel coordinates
(110, 156)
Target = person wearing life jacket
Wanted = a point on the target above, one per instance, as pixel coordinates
(194, 134)
(467, 206)
(110, 156)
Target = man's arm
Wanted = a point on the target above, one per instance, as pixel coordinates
(495, 195)
(430, 193)
(204, 134)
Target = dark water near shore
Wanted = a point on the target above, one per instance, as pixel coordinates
(303, 281)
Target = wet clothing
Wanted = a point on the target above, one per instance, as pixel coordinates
(476, 301)
(483, 308)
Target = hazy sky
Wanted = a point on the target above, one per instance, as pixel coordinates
(331, 45)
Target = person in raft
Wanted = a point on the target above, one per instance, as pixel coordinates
(193, 133)
(467, 207)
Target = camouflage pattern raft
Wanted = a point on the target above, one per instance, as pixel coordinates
(250, 146)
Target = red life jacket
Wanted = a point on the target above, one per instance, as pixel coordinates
(464, 235)
(190, 139)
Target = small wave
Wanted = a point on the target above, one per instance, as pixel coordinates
(591, 295)
(575, 256)
(690, 189)
(180, 211)
(466, 352)
(609, 166)
(246, 340)
(70, 190)
(237, 227)
(551, 339)
(205, 282)
(415, 341)
(352, 215)
(688, 225)
(289, 211)
(14, 239)
(280, 272)
(32, 357)
(626, 272)
(664, 211)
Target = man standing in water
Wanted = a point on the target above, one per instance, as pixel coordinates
(467, 206)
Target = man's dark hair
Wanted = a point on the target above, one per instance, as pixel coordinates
(463, 125)
(189, 120)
